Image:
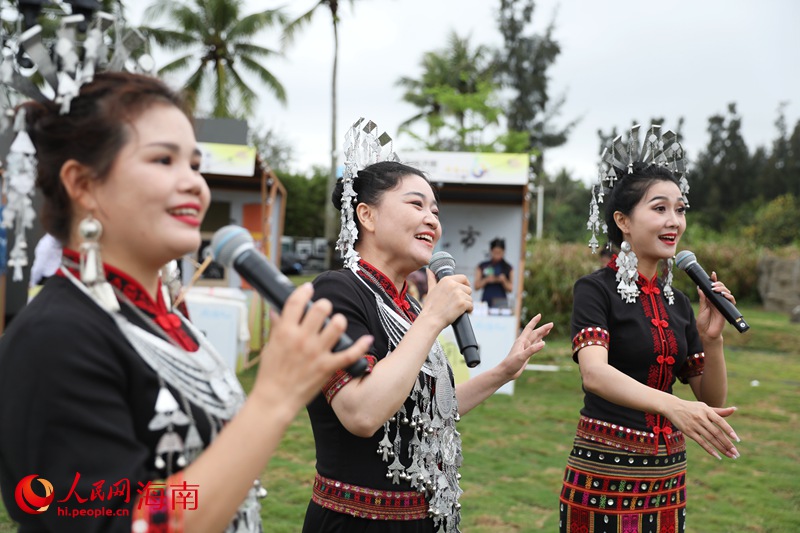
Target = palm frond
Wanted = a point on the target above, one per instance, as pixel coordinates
(245, 92)
(177, 64)
(169, 39)
(291, 30)
(266, 77)
(256, 22)
(193, 87)
(253, 50)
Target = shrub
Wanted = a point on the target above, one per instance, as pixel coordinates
(552, 268)
(736, 264)
(775, 224)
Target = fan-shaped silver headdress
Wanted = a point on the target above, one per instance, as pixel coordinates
(619, 157)
(63, 73)
(362, 147)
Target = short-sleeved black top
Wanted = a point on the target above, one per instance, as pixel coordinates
(75, 403)
(340, 454)
(649, 340)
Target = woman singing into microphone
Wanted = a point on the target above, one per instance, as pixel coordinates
(388, 451)
(634, 335)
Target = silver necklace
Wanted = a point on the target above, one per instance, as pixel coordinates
(201, 377)
(435, 447)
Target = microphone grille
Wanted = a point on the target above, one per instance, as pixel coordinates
(442, 261)
(227, 243)
(684, 259)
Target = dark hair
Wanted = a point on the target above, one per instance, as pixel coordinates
(497, 243)
(628, 191)
(93, 133)
(373, 181)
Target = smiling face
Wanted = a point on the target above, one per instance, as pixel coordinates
(154, 198)
(400, 232)
(655, 225)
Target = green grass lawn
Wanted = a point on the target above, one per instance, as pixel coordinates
(515, 447)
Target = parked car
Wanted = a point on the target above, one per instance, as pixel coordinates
(291, 264)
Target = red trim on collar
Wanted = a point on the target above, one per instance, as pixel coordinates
(399, 298)
(133, 291)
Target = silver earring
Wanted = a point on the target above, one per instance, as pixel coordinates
(627, 273)
(668, 292)
(92, 273)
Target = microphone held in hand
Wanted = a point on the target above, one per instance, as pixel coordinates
(442, 264)
(687, 261)
(232, 247)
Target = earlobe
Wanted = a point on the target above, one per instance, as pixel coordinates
(77, 180)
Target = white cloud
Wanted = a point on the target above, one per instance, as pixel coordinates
(620, 60)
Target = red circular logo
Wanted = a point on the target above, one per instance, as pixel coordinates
(29, 501)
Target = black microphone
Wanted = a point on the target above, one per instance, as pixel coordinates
(442, 264)
(687, 261)
(232, 246)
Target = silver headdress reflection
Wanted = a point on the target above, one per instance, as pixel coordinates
(60, 68)
(362, 147)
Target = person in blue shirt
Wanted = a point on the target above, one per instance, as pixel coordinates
(494, 276)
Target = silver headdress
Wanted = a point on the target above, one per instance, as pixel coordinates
(62, 73)
(362, 147)
(618, 159)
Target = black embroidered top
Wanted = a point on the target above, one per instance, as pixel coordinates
(341, 455)
(649, 340)
(75, 404)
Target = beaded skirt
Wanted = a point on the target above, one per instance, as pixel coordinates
(610, 490)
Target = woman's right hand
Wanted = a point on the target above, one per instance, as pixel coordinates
(447, 299)
(297, 360)
(705, 425)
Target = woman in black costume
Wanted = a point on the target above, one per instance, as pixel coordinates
(388, 451)
(633, 337)
(108, 395)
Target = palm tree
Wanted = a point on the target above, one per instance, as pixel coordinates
(224, 38)
(455, 92)
(331, 221)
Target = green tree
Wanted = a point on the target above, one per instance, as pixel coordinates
(522, 68)
(723, 178)
(793, 162)
(305, 198)
(216, 39)
(566, 209)
(781, 171)
(274, 150)
(456, 97)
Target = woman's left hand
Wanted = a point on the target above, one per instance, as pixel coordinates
(710, 321)
(530, 341)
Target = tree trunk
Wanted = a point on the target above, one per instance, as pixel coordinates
(331, 215)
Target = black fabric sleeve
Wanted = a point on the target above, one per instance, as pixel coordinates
(590, 307)
(340, 287)
(72, 424)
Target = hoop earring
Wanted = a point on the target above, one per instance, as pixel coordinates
(91, 265)
(627, 273)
